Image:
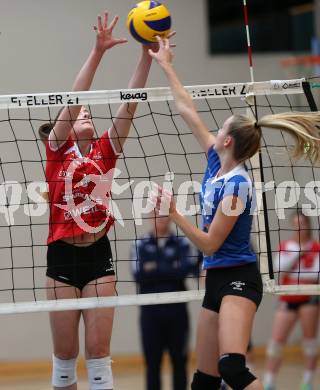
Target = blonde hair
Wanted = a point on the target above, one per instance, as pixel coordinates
(302, 126)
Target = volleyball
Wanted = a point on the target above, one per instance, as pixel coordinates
(147, 20)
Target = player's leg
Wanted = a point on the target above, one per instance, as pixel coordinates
(207, 376)
(98, 328)
(233, 342)
(284, 319)
(309, 316)
(177, 342)
(250, 357)
(64, 329)
(250, 362)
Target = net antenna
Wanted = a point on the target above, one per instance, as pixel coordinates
(262, 242)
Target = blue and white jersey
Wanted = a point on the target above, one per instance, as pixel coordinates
(236, 248)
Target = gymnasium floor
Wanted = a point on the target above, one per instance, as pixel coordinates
(132, 379)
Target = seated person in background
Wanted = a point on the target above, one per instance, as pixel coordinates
(161, 261)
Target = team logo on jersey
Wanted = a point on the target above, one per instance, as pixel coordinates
(98, 156)
(63, 173)
(92, 202)
(73, 150)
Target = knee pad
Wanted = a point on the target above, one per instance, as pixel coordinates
(233, 370)
(310, 347)
(100, 373)
(63, 372)
(274, 349)
(202, 381)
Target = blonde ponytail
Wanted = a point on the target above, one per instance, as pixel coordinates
(302, 126)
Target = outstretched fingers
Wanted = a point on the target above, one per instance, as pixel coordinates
(160, 41)
(103, 25)
(104, 31)
(171, 34)
(105, 20)
(154, 198)
(99, 23)
(166, 43)
(113, 23)
(120, 40)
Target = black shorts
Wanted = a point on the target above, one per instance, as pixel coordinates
(295, 306)
(243, 281)
(77, 266)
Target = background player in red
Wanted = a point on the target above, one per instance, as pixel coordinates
(298, 262)
(79, 254)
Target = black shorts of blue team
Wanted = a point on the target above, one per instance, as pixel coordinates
(78, 266)
(243, 281)
(295, 306)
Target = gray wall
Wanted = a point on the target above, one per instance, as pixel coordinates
(43, 44)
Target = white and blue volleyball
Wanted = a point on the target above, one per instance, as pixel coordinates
(147, 20)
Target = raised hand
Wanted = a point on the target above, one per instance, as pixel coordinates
(105, 39)
(163, 53)
(162, 201)
(154, 46)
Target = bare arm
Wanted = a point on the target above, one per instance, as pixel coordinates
(219, 229)
(182, 99)
(223, 222)
(122, 122)
(83, 81)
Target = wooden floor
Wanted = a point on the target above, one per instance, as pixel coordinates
(131, 378)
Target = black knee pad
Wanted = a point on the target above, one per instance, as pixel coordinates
(233, 370)
(203, 381)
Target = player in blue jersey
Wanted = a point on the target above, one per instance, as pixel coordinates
(233, 283)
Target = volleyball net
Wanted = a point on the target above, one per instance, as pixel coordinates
(160, 149)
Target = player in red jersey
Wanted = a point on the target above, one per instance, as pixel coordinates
(79, 173)
(298, 262)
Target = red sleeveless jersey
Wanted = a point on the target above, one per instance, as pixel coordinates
(79, 188)
(305, 270)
